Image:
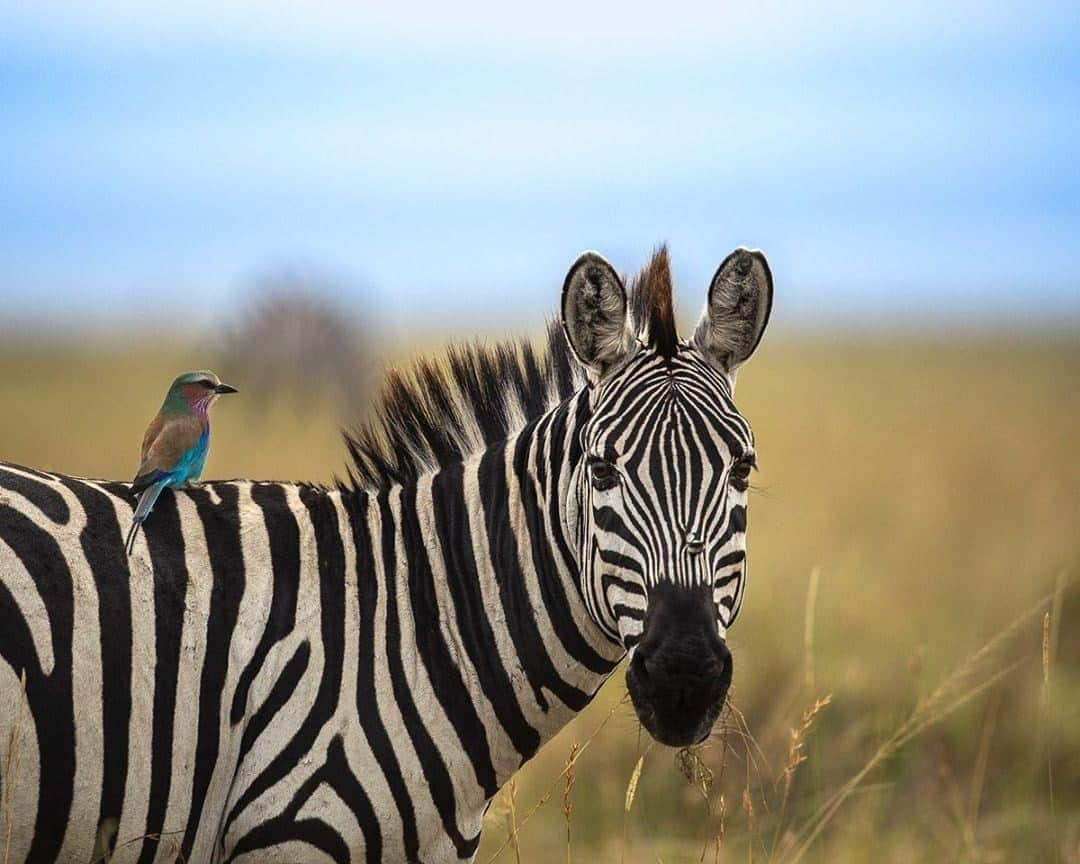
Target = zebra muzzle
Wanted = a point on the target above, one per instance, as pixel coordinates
(681, 669)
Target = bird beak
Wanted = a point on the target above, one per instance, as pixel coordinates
(224, 388)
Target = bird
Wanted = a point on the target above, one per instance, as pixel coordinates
(176, 442)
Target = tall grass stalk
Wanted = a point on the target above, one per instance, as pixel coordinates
(796, 756)
(960, 687)
(571, 763)
(978, 775)
(567, 804)
(631, 787)
(1044, 722)
(631, 792)
(513, 833)
(808, 627)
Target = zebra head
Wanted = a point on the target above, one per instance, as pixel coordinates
(658, 501)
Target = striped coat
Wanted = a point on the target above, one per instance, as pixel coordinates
(242, 675)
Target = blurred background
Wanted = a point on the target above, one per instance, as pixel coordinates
(298, 197)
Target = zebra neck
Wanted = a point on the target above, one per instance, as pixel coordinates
(508, 651)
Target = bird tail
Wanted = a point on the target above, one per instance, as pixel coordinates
(146, 503)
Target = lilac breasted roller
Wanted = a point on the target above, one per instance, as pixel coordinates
(175, 445)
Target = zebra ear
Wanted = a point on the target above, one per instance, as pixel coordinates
(740, 300)
(594, 313)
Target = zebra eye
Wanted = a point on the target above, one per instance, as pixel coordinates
(603, 474)
(740, 473)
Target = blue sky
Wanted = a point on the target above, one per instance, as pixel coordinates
(917, 164)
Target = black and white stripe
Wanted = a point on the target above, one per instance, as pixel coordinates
(285, 672)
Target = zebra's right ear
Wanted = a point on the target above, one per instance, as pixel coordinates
(594, 314)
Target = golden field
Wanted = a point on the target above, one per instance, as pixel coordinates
(932, 486)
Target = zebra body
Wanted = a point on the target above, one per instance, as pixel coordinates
(284, 672)
(280, 637)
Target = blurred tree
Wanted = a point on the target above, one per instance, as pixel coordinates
(300, 342)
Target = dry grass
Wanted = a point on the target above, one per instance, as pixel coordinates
(935, 486)
(169, 840)
(567, 804)
(980, 672)
(565, 776)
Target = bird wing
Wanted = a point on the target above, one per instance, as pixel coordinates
(152, 432)
(174, 435)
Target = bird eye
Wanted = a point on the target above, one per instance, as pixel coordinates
(603, 474)
(209, 383)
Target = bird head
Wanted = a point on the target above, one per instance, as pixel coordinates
(196, 391)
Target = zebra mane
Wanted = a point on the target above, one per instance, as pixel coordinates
(652, 312)
(438, 412)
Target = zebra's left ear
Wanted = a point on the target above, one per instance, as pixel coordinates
(740, 300)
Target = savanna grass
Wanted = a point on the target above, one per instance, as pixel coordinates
(932, 483)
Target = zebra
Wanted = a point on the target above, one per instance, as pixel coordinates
(296, 672)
